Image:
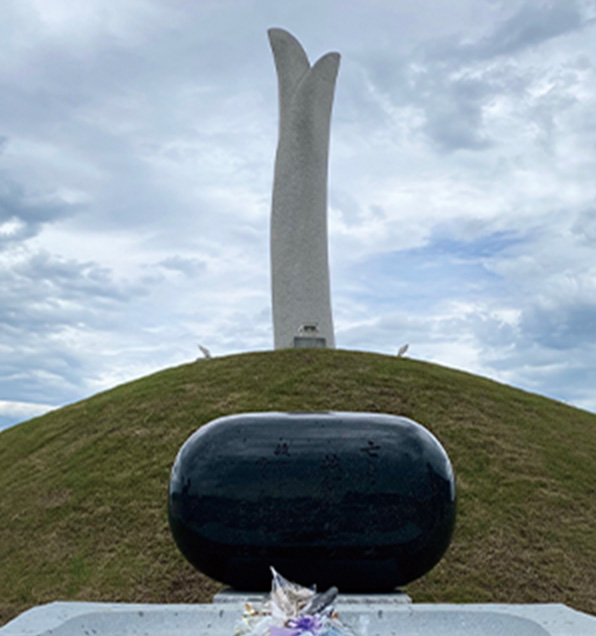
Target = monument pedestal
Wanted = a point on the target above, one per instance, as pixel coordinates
(257, 598)
(366, 619)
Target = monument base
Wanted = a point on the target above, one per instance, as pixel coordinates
(256, 598)
(374, 617)
(309, 342)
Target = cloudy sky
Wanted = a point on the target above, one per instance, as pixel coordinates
(137, 140)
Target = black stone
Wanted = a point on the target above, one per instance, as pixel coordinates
(362, 501)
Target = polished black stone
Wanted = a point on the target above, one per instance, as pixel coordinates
(362, 501)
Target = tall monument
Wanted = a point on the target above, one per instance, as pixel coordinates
(299, 260)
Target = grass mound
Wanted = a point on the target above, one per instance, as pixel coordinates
(83, 490)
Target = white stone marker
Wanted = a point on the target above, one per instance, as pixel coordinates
(299, 260)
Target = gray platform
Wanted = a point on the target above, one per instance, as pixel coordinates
(369, 616)
(233, 596)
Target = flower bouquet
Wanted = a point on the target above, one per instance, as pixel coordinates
(292, 610)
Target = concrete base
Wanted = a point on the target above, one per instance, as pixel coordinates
(374, 617)
(257, 598)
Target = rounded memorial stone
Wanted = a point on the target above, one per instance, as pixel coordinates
(362, 501)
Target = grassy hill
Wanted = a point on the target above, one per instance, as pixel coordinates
(83, 489)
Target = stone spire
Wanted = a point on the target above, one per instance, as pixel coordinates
(299, 260)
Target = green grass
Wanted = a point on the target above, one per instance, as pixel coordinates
(83, 489)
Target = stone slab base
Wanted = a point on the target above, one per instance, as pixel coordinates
(234, 596)
(373, 618)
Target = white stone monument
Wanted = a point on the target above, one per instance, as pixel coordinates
(299, 262)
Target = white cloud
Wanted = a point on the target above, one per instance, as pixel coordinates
(23, 409)
(136, 160)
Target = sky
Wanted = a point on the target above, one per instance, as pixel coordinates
(137, 141)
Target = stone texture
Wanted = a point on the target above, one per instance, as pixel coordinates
(361, 501)
(299, 255)
(373, 617)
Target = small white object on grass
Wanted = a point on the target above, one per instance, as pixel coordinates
(402, 350)
(206, 353)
